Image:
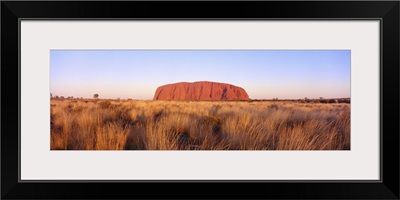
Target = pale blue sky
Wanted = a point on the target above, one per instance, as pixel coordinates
(264, 74)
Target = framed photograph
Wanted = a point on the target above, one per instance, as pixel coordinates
(200, 96)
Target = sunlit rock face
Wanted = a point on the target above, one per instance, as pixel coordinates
(201, 90)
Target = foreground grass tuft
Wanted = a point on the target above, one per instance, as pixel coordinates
(191, 125)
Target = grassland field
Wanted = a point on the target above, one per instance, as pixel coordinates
(82, 124)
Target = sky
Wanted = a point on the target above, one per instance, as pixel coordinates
(264, 74)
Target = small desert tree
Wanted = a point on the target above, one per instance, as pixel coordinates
(96, 96)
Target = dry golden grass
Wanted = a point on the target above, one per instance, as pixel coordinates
(191, 125)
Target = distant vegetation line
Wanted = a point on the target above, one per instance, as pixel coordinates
(320, 100)
(96, 124)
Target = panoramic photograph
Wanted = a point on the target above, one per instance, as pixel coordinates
(200, 100)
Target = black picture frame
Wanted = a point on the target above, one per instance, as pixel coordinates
(386, 11)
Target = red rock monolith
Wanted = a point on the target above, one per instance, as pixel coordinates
(201, 90)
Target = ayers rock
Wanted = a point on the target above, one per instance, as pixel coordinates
(201, 90)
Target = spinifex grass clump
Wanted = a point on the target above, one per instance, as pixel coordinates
(198, 125)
